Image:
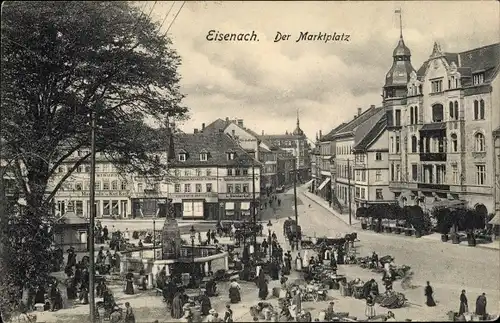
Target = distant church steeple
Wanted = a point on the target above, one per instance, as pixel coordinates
(298, 131)
(398, 76)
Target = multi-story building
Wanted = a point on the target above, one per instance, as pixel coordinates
(214, 178)
(276, 165)
(441, 120)
(346, 139)
(371, 165)
(295, 143)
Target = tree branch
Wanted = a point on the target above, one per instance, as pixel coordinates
(65, 177)
(63, 158)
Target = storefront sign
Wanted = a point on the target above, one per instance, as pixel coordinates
(104, 175)
(191, 195)
(100, 193)
(194, 179)
(235, 196)
(246, 178)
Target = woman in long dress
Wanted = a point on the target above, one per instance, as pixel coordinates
(129, 313)
(129, 285)
(177, 305)
(262, 284)
(464, 306)
(234, 292)
(228, 315)
(428, 294)
(481, 305)
(369, 310)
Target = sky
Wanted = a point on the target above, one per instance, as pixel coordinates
(265, 83)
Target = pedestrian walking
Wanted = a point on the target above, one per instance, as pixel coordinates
(428, 294)
(464, 306)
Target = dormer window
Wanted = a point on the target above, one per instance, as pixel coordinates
(231, 155)
(478, 78)
(182, 155)
(203, 155)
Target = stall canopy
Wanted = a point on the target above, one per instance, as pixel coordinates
(496, 219)
(323, 184)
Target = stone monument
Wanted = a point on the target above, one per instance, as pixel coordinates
(171, 236)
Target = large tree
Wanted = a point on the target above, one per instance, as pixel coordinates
(62, 61)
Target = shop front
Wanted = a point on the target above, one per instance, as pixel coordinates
(195, 206)
(235, 207)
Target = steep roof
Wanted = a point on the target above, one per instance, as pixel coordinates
(350, 128)
(329, 135)
(220, 125)
(482, 59)
(374, 131)
(217, 145)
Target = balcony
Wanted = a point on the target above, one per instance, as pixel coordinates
(434, 157)
(433, 187)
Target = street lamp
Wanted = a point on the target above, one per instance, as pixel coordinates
(154, 238)
(192, 232)
(269, 225)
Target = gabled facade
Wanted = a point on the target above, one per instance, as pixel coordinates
(441, 142)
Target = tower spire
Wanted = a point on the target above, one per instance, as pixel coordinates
(298, 122)
(398, 11)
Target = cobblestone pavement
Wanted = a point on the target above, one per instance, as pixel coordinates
(448, 267)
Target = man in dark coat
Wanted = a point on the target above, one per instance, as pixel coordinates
(428, 294)
(481, 305)
(464, 306)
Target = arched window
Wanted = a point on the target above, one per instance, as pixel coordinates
(481, 109)
(456, 110)
(437, 113)
(454, 143)
(415, 118)
(480, 145)
(476, 110)
(452, 111)
(413, 144)
(411, 115)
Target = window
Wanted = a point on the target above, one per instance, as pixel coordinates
(98, 168)
(454, 143)
(114, 185)
(454, 171)
(182, 157)
(481, 109)
(86, 185)
(378, 194)
(105, 185)
(187, 172)
(187, 188)
(436, 86)
(80, 169)
(398, 118)
(397, 144)
(198, 188)
(378, 156)
(229, 172)
(208, 171)
(237, 188)
(97, 186)
(411, 116)
(198, 172)
(106, 208)
(78, 186)
(452, 111)
(124, 185)
(237, 172)
(203, 156)
(415, 117)
(229, 188)
(478, 78)
(437, 113)
(378, 176)
(398, 172)
(413, 144)
(480, 174)
(140, 187)
(79, 208)
(358, 192)
(245, 188)
(362, 193)
(209, 187)
(230, 156)
(177, 172)
(392, 144)
(363, 176)
(114, 207)
(106, 167)
(245, 171)
(177, 188)
(479, 138)
(414, 172)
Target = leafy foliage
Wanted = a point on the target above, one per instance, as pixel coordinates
(443, 217)
(62, 62)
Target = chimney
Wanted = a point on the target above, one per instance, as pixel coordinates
(372, 106)
(202, 126)
(240, 122)
(227, 119)
(195, 130)
(355, 116)
(320, 134)
(359, 111)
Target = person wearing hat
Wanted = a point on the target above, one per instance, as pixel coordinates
(211, 315)
(330, 312)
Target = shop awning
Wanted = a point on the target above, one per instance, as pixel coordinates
(245, 206)
(308, 184)
(229, 206)
(496, 219)
(326, 181)
(449, 203)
